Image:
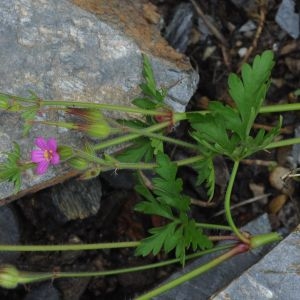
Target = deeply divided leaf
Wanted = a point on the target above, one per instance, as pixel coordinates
(141, 150)
(153, 96)
(166, 200)
(206, 174)
(226, 130)
(249, 91)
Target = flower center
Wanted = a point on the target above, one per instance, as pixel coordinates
(48, 154)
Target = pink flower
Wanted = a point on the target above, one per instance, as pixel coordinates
(46, 155)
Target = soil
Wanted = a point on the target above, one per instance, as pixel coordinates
(214, 56)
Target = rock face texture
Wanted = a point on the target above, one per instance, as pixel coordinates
(275, 276)
(80, 50)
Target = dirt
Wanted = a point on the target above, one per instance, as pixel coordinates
(214, 56)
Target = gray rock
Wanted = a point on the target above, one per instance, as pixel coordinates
(9, 233)
(287, 19)
(76, 199)
(202, 287)
(45, 291)
(72, 288)
(180, 26)
(123, 179)
(91, 54)
(248, 26)
(276, 276)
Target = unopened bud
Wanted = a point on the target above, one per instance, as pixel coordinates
(78, 163)
(9, 277)
(97, 130)
(3, 104)
(4, 101)
(91, 115)
(65, 152)
(166, 116)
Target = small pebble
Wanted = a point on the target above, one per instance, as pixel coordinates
(279, 180)
(242, 51)
(277, 203)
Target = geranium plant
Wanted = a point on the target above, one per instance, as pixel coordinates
(221, 130)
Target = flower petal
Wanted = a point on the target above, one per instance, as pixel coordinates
(42, 167)
(52, 144)
(55, 158)
(37, 156)
(41, 143)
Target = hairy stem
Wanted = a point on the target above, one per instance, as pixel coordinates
(79, 104)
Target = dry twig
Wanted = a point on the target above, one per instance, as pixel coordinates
(263, 8)
(248, 201)
(214, 30)
(202, 203)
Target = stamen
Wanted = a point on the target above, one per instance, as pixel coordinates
(48, 154)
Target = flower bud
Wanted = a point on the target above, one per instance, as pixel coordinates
(4, 101)
(3, 104)
(95, 130)
(166, 116)
(65, 152)
(78, 163)
(9, 277)
(91, 115)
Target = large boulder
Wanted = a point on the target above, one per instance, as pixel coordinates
(80, 50)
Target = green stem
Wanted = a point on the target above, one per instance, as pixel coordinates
(18, 98)
(130, 166)
(189, 161)
(150, 166)
(279, 108)
(276, 108)
(227, 204)
(283, 143)
(145, 267)
(116, 165)
(214, 226)
(264, 109)
(27, 165)
(102, 106)
(129, 137)
(162, 138)
(188, 276)
(91, 157)
(180, 116)
(28, 277)
(73, 247)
